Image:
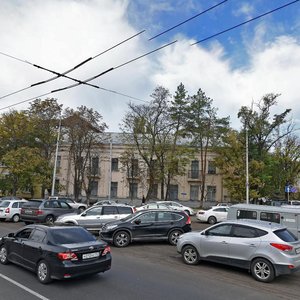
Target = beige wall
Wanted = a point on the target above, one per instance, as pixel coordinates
(106, 153)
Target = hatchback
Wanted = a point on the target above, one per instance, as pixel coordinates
(147, 225)
(10, 210)
(56, 252)
(44, 211)
(94, 217)
(266, 249)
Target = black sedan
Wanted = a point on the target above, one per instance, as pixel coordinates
(55, 252)
(147, 225)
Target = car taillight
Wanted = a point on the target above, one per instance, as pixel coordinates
(282, 247)
(39, 212)
(105, 251)
(7, 210)
(67, 256)
(188, 221)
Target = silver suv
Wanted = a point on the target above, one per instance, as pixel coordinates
(265, 249)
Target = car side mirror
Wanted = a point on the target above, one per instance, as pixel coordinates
(137, 221)
(83, 214)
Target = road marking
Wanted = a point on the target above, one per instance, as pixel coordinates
(23, 287)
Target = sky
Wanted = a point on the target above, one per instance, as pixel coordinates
(236, 68)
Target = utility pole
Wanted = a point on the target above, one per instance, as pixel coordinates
(55, 159)
(247, 167)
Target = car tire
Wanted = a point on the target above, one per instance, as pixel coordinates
(121, 239)
(49, 219)
(3, 255)
(190, 255)
(212, 220)
(43, 272)
(262, 270)
(16, 218)
(173, 236)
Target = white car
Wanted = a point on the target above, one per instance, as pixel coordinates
(94, 217)
(177, 206)
(154, 206)
(213, 215)
(10, 210)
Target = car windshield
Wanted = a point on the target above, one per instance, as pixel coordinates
(286, 235)
(71, 236)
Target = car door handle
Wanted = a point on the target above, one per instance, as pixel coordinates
(252, 245)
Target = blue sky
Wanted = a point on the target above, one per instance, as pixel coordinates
(234, 69)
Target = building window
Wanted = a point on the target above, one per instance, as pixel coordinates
(94, 188)
(95, 166)
(211, 167)
(211, 193)
(114, 190)
(133, 168)
(195, 169)
(133, 190)
(173, 192)
(194, 192)
(115, 164)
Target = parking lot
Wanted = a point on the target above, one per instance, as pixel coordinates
(147, 271)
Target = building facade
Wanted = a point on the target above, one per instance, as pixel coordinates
(111, 179)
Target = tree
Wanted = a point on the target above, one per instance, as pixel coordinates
(82, 128)
(205, 130)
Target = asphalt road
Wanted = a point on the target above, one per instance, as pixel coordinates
(147, 271)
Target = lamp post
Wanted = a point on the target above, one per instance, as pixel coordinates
(247, 168)
(55, 159)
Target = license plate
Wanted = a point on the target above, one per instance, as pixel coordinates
(297, 250)
(90, 255)
(28, 211)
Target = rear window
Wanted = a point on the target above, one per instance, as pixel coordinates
(71, 236)
(286, 235)
(4, 204)
(32, 204)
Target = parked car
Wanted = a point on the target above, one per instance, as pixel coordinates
(78, 205)
(266, 249)
(94, 217)
(105, 202)
(10, 210)
(44, 211)
(213, 215)
(177, 206)
(147, 225)
(154, 206)
(55, 252)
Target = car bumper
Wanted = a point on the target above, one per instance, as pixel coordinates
(285, 269)
(72, 270)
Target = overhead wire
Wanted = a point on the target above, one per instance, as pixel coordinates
(243, 23)
(96, 76)
(187, 20)
(58, 75)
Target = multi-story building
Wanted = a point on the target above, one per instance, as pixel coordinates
(111, 179)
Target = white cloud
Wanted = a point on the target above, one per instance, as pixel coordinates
(60, 34)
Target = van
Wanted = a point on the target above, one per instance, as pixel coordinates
(286, 216)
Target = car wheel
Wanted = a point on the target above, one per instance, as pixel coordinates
(121, 239)
(262, 270)
(3, 255)
(173, 236)
(49, 219)
(190, 255)
(212, 220)
(43, 272)
(16, 218)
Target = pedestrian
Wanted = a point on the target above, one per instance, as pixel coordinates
(143, 200)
